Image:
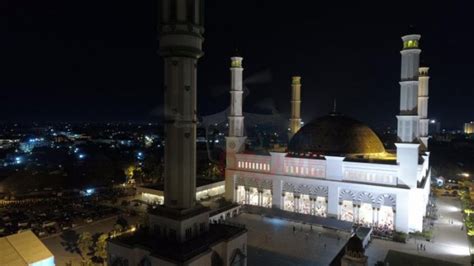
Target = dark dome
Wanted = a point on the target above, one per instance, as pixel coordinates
(335, 134)
(354, 247)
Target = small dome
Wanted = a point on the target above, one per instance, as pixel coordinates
(336, 134)
(354, 247)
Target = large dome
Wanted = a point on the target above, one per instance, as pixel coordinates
(335, 134)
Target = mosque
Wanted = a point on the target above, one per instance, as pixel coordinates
(336, 166)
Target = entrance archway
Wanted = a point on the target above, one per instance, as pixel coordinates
(289, 202)
(366, 214)
(386, 217)
(347, 211)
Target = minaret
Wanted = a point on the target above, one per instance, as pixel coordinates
(236, 119)
(408, 118)
(235, 142)
(179, 232)
(423, 92)
(295, 119)
(180, 30)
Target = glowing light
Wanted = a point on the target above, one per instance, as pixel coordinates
(433, 121)
(82, 156)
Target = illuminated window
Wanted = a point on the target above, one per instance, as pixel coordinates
(246, 165)
(410, 44)
(291, 169)
(297, 170)
(240, 164)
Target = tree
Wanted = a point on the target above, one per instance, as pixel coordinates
(213, 171)
(101, 247)
(122, 222)
(84, 243)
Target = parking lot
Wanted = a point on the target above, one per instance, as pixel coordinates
(52, 215)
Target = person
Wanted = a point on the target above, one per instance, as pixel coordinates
(294, 229)
(324, 245)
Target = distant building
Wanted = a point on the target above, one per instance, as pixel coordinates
(469, 128)
(24, 249)
(154, 194)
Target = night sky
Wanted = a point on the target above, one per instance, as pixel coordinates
(97, 60)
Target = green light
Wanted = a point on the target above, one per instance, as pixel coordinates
(409, 44)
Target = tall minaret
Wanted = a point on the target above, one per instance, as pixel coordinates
(295, 119)
(236, 119)
(180, 30)
(423, 92)
(408, 118)
(235, 142)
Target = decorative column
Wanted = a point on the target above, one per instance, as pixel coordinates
(378, 217)
(247, 196)
(373, 215)
(394, 218)
(339, 210)
(277, 194)
(296, 203)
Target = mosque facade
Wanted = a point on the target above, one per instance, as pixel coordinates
(336, 166)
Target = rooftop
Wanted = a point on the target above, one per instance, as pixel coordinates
(336, 134)
(24, 249)
(179, 252)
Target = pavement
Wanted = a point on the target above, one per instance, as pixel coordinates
(271, 241)
(449, 243)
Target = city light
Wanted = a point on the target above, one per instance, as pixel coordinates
(82, 156)
(89, 191)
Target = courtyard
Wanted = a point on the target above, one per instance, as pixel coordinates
(272, 241)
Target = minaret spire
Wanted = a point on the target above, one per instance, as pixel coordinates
(295, 119)
(423, 92)
(236, 119)
(408, 120)
(235, 141)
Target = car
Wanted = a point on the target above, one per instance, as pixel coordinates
(89, 220)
